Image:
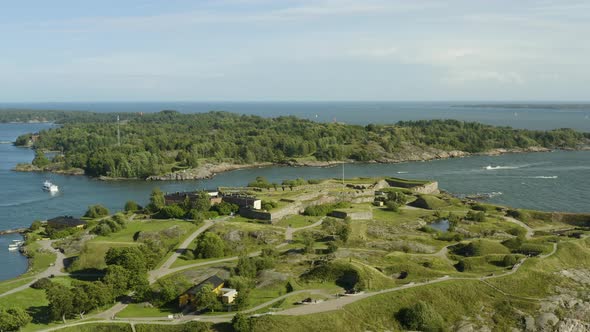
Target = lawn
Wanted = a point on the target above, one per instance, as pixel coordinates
(139, 310)
(5, 286)
(126, 235)
(297, 221)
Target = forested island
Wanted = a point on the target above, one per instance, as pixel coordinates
(172, 145)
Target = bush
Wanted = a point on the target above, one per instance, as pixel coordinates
(269, 205)
(132, 206)
(209, 245)
(324, 209)
(171, 211)
(42, 283)
(96, 211)
(225, 208)
(476, 216)
(518, 214)
(195, 215)
(420, 317)
(509, 260)
(35, 225)
(392, 205)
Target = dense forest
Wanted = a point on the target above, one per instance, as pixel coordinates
(157, 143)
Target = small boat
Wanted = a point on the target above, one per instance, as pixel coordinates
(50, 187)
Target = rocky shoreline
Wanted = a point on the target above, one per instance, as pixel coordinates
(209, 170)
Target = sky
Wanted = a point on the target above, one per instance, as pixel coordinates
(294, 50)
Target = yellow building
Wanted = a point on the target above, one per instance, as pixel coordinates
(188, 297)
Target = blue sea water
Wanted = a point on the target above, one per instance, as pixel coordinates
(361, 112)
(554, 181)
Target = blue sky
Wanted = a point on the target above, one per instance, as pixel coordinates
(293, 50)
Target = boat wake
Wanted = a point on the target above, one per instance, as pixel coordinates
(543, 177)
(402, 172)
(5, 142)
(482, 195)
(491, 168)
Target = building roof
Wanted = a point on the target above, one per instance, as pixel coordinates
(214, 280)
(67, 221)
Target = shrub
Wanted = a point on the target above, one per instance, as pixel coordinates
(476, 216)
(420, 317)
(132, 206)
(171, 211)
(42, 283)
(96, 211)
(509, 260)
(209, 245)
(225, 208)
(269, 205)
(35, 225)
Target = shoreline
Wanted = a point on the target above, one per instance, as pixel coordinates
(209, 170)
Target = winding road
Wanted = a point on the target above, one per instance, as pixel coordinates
(53, 270)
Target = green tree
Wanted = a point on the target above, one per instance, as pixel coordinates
(421, 317)
(117, 278)
(392, 205)
(206, 299)
(13, 319)
(60, 300)
(241, 323)
(131, 206)
(35, 225)
(308, 242)
(209, 245)
(157, 201)
(40, 159)
(202, 202)
(246, 267)
(96, 211)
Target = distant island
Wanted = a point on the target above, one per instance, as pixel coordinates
(169, 145)
(555, 106)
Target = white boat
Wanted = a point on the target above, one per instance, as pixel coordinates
(50, 187)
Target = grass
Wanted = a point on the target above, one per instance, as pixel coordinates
(5, 286)
(126, 235)
(297, 221)
(24, 299)
(453, 300)
(139, 310)
(99, 327)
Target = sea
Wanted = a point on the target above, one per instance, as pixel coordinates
(549, 181)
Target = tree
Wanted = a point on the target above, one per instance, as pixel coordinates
(308, 242)
(509, 260)
(96, 211)
(131, 206)
(246, 267)
(60, 302)
(171, 211)
(13, 319)
(241, 323)
(421, 317)
(209, 245)
(40, 159)
(398, 197)
(35, 225)
(202, 202)
(206, 299)
(392, 205)
(157, 200)
(117, 278)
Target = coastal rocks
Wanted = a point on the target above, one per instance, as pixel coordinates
(203, 172)
(497, 152)
(51, 168)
